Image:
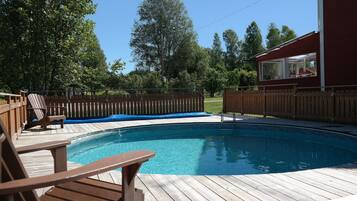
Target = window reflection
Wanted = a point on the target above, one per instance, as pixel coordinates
(302, 66)
(291, 67)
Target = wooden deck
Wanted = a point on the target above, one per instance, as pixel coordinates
(318, 184)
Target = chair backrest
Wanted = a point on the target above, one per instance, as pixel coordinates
(37, 103)
(11, 167)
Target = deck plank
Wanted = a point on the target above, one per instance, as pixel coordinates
(244, 192)
(202, 189)
(219, 190)
(267, 189)
(327, 184)
(171, 189)
(308, 187)
(186, 189)
(280, 188)
(155, 188)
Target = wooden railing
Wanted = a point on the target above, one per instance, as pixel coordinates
(13, 112)
(335, 104)
(102, 106)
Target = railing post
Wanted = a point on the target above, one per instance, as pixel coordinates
(9, 116)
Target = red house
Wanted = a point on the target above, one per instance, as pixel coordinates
(320, 59)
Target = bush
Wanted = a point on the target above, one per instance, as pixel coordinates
(247, 78)
(240, 77)
(214, 82)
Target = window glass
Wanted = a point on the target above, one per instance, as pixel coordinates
(272, 70)
(291, 67)
(302, 66)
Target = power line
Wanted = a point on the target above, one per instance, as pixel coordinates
(230, 14)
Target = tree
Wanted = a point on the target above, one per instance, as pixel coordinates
(117, 67)
(115, 76)
(152, 82)
(134, 81)
(93, 79)
(162, 28)
(232, 43)
(287, 34)
(214, 81)
(93, 66)
(247, 78)
(252, 45)
(184, 80)
(41, 42)
(216, 53)
(241, 78)
(233, 78)
(190, 58)
(273, 37)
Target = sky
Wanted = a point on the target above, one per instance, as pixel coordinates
(115, 18)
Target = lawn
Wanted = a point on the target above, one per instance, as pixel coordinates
(214, 105)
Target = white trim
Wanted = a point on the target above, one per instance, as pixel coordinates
(322, 44)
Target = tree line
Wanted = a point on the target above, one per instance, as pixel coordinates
(51, 45)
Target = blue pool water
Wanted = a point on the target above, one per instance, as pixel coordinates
(125, 117)
(221, 149)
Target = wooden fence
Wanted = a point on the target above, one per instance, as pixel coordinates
(102, 106)
(13, 113)
(334, 104)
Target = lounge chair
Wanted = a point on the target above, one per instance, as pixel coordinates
(39, 107)
(74, 185)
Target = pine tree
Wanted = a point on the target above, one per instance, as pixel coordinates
(252, 45)
(273, 37)
(232, 43)
(216, 53)
(287, 34)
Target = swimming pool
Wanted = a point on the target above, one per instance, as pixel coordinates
(221, 148)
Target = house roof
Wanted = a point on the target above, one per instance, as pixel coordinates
(284, 44)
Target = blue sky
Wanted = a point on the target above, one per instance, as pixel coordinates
(114, 20)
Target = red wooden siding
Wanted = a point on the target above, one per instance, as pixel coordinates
(340, 42)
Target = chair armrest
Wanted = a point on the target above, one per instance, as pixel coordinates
(119, 161)
(58, 150)
(43, 146)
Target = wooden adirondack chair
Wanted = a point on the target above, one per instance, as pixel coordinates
(71, 185)
(39, 107)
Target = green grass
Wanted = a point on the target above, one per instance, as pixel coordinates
(214, 105)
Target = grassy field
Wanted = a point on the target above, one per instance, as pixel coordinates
(214, 105)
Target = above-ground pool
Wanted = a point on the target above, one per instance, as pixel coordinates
(221, 148)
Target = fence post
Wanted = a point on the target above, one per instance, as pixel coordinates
(224, 100)
(265, 103)
(295, 103)
(241, 104)
(333, 98)
(202, 95)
